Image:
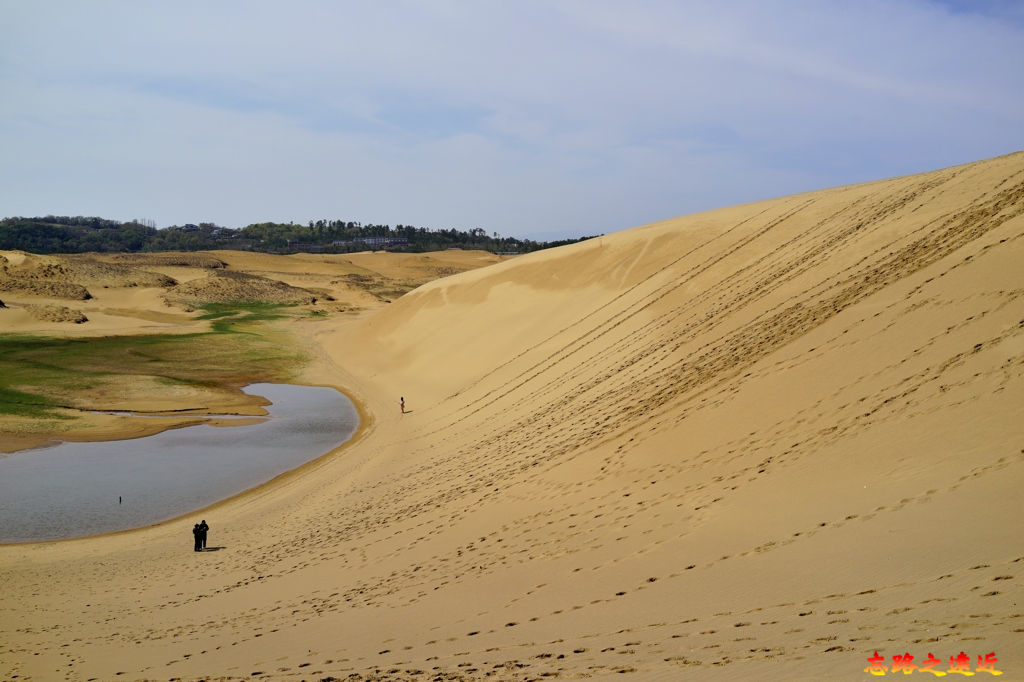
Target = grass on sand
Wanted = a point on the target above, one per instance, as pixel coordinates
(49, 378)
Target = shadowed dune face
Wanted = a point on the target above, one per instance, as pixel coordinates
(761, 442)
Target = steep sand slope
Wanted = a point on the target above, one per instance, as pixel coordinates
(757, 443)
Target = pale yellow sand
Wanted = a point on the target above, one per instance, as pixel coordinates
(756, 443)
(346, 285)
(139, 310)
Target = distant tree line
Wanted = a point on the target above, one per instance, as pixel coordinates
(79, 234)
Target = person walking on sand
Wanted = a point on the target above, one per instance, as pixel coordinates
(401, 403)
(202, 534)
(195, 535)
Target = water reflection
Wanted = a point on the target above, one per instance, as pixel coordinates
(72, 489)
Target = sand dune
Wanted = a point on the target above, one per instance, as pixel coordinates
(762, 442)
(155, 292)
(135, 294)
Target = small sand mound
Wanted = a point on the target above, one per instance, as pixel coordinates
(33, 266)
(68, 276)
(230, 287)
(187, 260)
(37, 287)
(91, 272)
(56, 313)
(40, 276)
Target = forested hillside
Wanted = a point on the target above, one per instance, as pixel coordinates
(78, 234)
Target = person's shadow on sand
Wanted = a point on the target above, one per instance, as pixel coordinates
(214, 549)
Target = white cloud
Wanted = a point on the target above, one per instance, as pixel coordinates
(526, 117)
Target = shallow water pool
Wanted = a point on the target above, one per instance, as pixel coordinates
(72, 489)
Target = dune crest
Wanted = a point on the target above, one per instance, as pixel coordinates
(762, 442)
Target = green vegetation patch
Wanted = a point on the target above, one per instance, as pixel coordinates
(22, 404)
(39, 374)
(233, 317)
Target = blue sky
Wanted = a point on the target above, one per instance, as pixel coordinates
(531, 119)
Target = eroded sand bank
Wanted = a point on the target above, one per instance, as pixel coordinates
(762, 442)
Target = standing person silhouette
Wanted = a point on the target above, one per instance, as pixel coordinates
(202, 534)
(195, 535)
(401, 402)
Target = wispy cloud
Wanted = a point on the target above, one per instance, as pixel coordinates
(525, 118)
